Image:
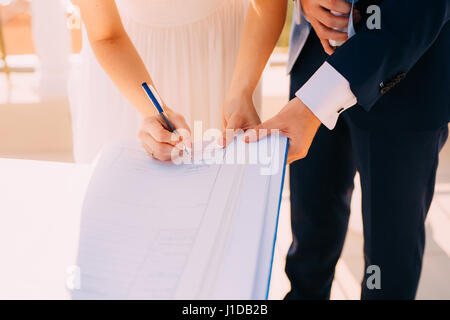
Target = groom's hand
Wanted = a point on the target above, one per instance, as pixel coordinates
(158, 141)
(324, 22)
(296, 122)
(239, 114)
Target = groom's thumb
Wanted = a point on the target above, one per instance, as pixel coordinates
(258, 133)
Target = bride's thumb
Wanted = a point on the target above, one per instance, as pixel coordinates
(182, 128)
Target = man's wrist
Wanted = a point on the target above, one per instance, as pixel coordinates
(314, 120)
(327, 94)
(304, 112)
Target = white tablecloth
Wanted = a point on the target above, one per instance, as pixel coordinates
(40, 205)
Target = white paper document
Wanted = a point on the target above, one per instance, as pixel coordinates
(153, 230)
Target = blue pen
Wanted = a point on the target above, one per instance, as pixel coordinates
(156, 101)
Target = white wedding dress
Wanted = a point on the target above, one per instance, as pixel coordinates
(189, 48)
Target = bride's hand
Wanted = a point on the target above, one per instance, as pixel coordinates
(159, 142)
(239, 113)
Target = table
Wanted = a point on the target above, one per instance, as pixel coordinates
(40, 206)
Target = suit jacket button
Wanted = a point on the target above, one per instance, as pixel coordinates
(401, 76)
(384, 87)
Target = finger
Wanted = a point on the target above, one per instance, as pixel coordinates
(182, 128)
(340, 6)
(185, 137)
(291, 159)
(159, 151)
(143, 137)
(323, 32)
(262, 131)
(147, 149)
(233, 129)
(327, 47)
(227, 136)
(298, 149)
(294, 156)
(224, 123)
(154, 127)
(325, 42)
(179, 122)
(330, 20)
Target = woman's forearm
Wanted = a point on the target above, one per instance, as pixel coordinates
(115, 51)
(122, 63)
(263, 25)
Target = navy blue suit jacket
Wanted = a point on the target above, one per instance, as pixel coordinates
(400, 73)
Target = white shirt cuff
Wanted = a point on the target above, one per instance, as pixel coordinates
(327, 94)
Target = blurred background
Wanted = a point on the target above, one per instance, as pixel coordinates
(39, 42)
(39, 45)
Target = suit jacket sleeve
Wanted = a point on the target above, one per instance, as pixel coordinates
(371, 57)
